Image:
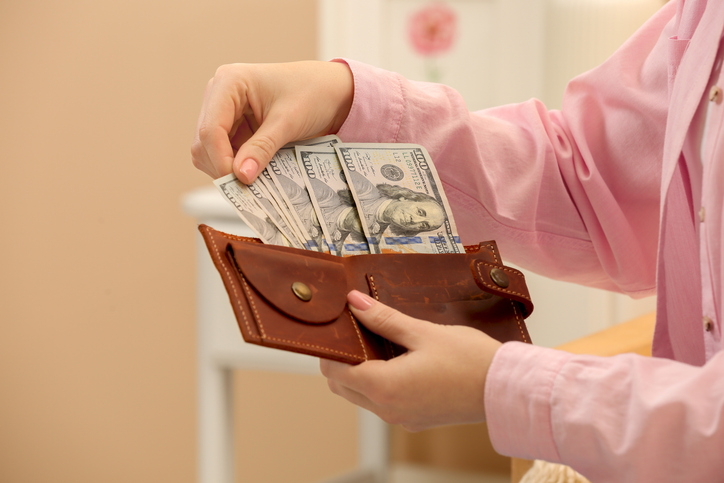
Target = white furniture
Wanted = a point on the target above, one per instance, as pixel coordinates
(221, 349)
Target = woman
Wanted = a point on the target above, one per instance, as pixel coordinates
(623, 189)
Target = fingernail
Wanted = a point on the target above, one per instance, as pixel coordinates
(248, 169)
(359, 300)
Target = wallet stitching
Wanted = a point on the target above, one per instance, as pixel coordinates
(233, 287)
(492, 249)
(517, 319)
(388, 346)
(240, 238)
(293, 342)
(371, 280)
(253, 306)
(326, 349)
(359, 335)
(497, 288)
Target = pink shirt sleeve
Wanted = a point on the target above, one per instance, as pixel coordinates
(622, 419)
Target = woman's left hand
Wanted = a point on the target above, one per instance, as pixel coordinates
(439, 380)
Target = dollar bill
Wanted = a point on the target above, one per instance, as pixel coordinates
(329, 140)
(283, 209)
(288, 179)
(243, 200)
(270, 207)
(279, 201)
(332, 200)
(400, 198)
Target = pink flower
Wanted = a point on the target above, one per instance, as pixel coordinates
(432, 29)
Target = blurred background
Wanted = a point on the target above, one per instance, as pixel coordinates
(98, 103)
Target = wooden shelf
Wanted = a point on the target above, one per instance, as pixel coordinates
(633, 336)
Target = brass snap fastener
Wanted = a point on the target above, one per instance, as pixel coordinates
(499, 277)
(302, 291)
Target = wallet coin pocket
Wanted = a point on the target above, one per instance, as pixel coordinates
(308, 289)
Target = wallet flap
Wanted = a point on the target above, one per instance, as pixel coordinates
(307, 288)
(504, 281)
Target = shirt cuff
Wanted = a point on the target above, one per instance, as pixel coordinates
(518, 400)
(377, 107)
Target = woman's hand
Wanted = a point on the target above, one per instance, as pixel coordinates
(440, 380)
(251, 110)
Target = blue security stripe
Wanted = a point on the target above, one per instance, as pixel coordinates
(403, 240)
(356, 247)
(439, 239)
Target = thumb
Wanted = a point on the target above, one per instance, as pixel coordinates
(386, 321)
(254, 155)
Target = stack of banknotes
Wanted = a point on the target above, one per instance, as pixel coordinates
(347, 199)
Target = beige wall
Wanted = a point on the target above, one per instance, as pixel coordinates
(98, 100)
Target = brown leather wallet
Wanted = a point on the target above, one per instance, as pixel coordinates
(296, 300)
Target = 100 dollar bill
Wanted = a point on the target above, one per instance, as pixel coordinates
(244, 202)
(281, 205)
(332, 200)
(400, 199)
(271, 208)
(288, 179)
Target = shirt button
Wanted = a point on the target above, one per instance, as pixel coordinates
(702, 212)
(715, 94)
(708, 324)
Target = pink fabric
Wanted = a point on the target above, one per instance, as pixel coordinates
(621, 419)
(592, 194)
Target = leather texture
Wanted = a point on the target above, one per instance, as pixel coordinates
(450, 289)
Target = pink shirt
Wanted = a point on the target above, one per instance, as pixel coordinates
(606, 192)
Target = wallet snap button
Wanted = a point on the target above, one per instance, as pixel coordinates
(302, 291)
(499, 277)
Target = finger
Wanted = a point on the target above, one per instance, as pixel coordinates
(219, 152)
(340, 372)
(387, 413)
(368, 379)
(204, 104)
(351, 395)
(386, 321)
(254, 155)
(349, 382)
(224, 105)
(328, 367)
(241, 133)
(200, 159)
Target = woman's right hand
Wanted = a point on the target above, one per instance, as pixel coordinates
(249, 111)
